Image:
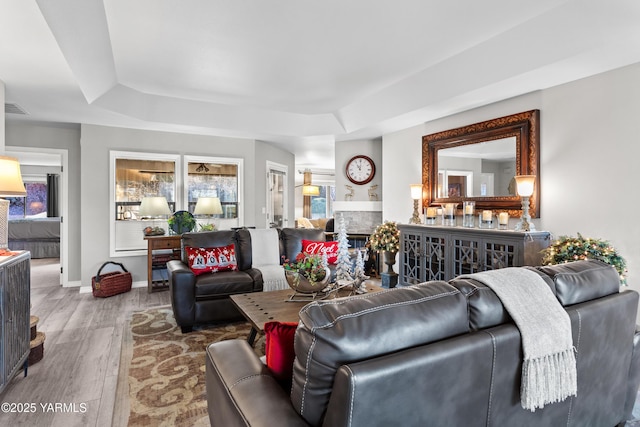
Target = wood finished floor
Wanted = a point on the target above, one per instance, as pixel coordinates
(81, 352)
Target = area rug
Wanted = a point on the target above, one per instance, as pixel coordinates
(166, 368)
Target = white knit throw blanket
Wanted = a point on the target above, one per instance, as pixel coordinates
(265, 256)
(549, 368)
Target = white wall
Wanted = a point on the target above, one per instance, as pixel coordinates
(88, 202)
(60, 136)
(402, 167)
(264, 152)
(2, 125)
(97, 141)
(345, 150)
(588, 146)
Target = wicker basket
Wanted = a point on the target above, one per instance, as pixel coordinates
(33, 324)
(37, 348)
(113, 283)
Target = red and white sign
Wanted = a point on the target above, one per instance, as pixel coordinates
(320, 248)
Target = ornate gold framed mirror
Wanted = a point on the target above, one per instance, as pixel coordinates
(479, 162)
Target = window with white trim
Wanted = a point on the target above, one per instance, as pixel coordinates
(133, 176)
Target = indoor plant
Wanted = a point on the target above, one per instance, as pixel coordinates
(386, 237)
(181, 222)
(569, 248)
(307, 273)
(207, 227)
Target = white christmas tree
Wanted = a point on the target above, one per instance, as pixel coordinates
(358, 285)
(359, 270)
(343, 267)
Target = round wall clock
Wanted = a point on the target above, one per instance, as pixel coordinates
(360, 169)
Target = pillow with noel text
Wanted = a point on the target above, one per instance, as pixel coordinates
(212, 260)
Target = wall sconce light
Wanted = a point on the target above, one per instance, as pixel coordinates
(307, 188)
(525, 184)
(416, 195)
(11, 185)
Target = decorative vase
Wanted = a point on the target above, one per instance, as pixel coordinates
(181, 222)
(389, 259)
(302, 284)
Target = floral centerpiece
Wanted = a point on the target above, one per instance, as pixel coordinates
(207, 227)
(386, 237)
(306, 272)
(568, 248)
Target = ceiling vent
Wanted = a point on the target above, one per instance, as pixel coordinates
(14, 109)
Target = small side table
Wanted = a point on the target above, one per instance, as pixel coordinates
(160, 250)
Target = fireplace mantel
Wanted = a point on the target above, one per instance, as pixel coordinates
(364, 206)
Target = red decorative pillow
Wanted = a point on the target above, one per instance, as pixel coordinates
(278, 348)
(329, 248)
(211, 260)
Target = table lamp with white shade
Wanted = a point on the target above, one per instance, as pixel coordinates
(154, 208)
(11, 185)
(525, 185)
(207, 207)
(416, 195)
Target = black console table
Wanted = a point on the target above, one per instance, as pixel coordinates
(442, 253)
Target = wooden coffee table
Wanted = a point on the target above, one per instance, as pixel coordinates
(262, 307)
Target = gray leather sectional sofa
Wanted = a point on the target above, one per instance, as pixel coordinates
(434, 354)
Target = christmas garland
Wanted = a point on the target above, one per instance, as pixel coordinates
(568, 248)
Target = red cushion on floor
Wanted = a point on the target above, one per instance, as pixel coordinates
(279, 349)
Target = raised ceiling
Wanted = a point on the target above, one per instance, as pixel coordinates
(301, 74)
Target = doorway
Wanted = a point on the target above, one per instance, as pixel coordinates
(277, 200)
(50, 159)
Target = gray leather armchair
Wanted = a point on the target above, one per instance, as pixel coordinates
(205, 299)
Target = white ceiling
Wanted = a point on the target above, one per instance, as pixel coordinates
(302, 74)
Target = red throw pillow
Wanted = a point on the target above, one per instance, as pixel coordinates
(212, 260)
(278, 348)
(329, 248)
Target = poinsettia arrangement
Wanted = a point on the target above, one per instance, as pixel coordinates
(568, 248)
(386, 237)
(311, 266)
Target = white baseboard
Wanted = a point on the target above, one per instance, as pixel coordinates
(73, 284)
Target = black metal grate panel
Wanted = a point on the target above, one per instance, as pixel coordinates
(499, 255)
(412, 253)
(466, 257)
(435, 259)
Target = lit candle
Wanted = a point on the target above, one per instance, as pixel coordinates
(431, 212)
(503, 218)
(486, 216)
(468, 210)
